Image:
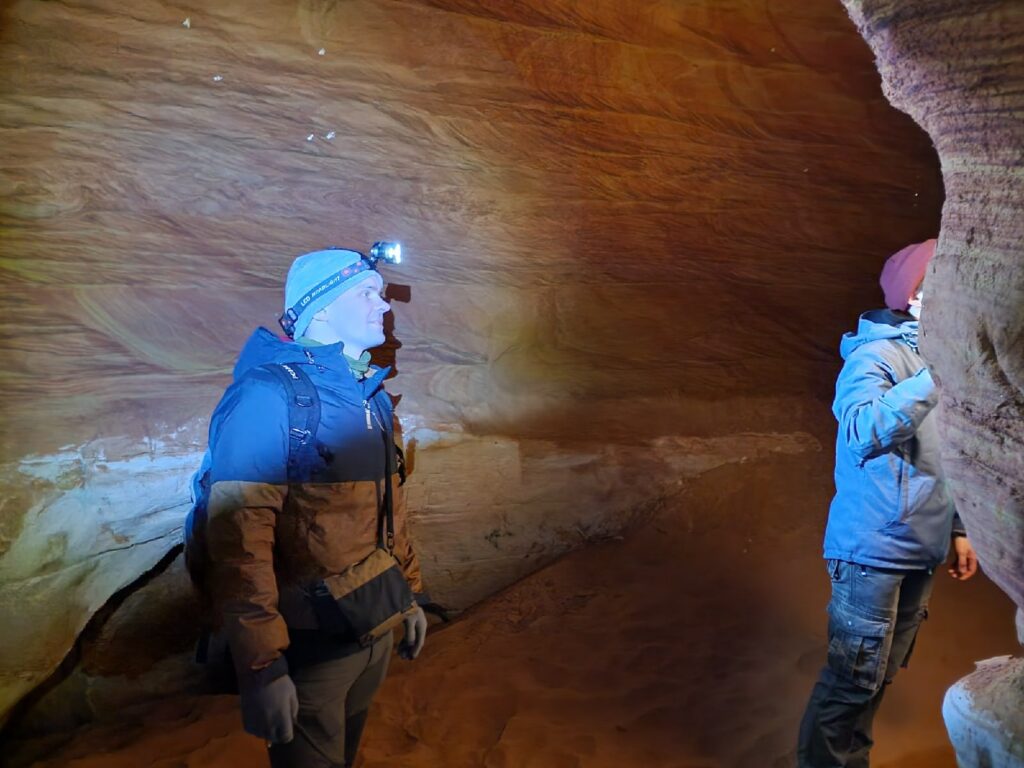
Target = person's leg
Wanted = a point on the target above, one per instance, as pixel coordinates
(323, 682)
(836, 728)
(858, 755)
(911, 610)
(360, 696)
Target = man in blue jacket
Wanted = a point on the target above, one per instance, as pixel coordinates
(890, 522)
(292, 505)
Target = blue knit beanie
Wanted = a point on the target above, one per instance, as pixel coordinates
(318, 278)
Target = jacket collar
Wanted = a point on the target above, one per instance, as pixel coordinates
(331, 357)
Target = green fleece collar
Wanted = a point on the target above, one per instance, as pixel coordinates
(358, 367)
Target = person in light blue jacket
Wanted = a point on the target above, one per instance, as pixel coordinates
(890, 522)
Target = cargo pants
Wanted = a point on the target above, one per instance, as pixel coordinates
(874, 616)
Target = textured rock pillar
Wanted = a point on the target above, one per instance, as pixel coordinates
(957, 69)
(984, 715)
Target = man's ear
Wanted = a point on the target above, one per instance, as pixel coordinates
(319, 316)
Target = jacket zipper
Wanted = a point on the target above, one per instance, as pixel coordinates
(376, 417)
(366, 408)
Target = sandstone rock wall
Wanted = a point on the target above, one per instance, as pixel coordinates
(635, 232)
(957, 69)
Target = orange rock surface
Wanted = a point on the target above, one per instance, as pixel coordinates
(635, 233)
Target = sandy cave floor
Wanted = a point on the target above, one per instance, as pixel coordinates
(684, 645)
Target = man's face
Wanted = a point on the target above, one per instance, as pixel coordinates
(916, 302)
(357, 316)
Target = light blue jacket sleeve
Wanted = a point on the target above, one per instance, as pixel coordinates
(876, 412)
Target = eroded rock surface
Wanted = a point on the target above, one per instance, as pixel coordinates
(635, 233)
(984, 715)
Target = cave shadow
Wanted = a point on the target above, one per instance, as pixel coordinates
(387, 353)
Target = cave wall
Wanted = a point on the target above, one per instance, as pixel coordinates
(634, 235)
(957, 69)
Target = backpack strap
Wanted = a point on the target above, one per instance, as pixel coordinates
(303, 411)
(303, 421)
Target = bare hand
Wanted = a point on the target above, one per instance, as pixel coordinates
(964, 562)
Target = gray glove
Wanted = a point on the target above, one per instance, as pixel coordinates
(415, 634)
(269, 710)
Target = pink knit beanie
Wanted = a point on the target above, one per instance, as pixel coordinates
(903, 273)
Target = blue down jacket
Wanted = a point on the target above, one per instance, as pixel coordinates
(892, 508)
(270, 534)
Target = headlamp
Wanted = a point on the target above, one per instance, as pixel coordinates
(389, 252)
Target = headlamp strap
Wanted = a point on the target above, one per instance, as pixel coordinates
(291, 315)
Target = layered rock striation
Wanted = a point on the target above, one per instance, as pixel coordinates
(635, 233)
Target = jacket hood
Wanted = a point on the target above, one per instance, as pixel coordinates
(879, 324)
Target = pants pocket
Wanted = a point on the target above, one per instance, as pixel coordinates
(858, 649)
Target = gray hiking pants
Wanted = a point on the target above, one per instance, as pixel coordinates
(335, 692)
